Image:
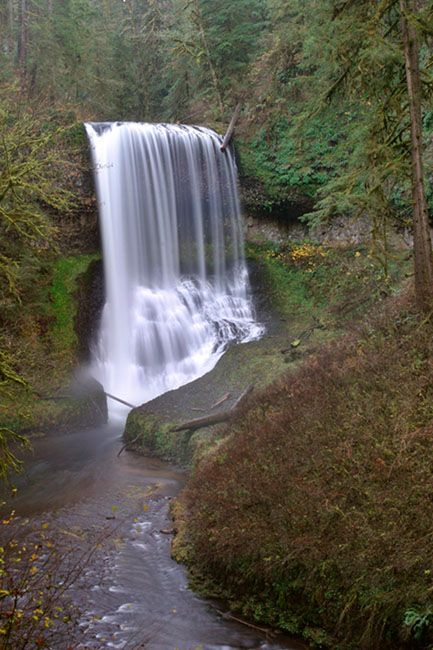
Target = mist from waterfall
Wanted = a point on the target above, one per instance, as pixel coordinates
(177, 290)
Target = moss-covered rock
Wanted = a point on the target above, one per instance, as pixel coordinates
(148, 427)
(77, 406)
(45, 349)
(151, 434)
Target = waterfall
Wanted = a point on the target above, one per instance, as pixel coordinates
(177, 289)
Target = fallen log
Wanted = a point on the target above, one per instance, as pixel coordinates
(215, 418)
(122, 401)
(223, 399)
(229, 133)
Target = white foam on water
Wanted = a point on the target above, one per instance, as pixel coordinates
(177, 290)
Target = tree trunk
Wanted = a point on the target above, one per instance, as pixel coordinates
(10, 31)
(230, 131)
(421, 233)
(214, 75)
(22, 37)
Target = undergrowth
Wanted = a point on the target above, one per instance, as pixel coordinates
(42, 346)
(315, 513)
(335, 283)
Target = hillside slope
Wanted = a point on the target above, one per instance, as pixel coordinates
(315, 513)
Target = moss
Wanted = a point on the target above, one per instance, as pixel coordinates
(151, 434)
(65, 273)
(45, 350)
(331, 284)
(179, 547)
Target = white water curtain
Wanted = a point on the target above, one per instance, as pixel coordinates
(176, 280)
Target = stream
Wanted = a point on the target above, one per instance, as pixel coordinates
(114, 510)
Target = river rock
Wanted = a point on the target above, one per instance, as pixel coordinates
(81, 405)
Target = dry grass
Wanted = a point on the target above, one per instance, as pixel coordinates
(316, 513)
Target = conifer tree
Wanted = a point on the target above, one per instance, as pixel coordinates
(422, 241)
(370, 64)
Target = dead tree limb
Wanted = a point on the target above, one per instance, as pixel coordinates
(229, 133)
(249, 389)
(222, 399)
(122, 401)
(128, 443)
(216, 418)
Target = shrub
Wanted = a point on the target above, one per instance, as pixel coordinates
(316, 512)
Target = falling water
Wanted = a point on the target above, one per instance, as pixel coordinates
(177, 284)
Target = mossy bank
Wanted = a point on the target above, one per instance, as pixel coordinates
(305, 295)
(45, 346)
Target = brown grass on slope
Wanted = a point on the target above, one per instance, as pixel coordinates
(316, 512)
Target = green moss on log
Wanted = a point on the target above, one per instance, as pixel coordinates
(151, 434)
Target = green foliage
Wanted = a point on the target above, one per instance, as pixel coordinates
(65, 273)
(10, 441)
(30, 166)
(233, 31)
(335, 127)
(335, 284)
(290, 163)
(29, 169)
(418, 622)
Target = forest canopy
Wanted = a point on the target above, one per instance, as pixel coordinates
(321, 82)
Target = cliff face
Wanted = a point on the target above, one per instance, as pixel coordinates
(89, 300)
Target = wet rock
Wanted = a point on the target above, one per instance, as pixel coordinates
(80, 405)
(90, 298)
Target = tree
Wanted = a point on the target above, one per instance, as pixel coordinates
(370, 65)
(422, 241)
(30, 187)
(22, 37)
(212, 46)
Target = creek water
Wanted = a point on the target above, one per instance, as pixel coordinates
(130, 593)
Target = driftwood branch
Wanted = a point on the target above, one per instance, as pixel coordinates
(229, 133)
(128, 443)
(229, 616)
(223, 399)
(249, 389)
(216, 418)
(122, 401)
